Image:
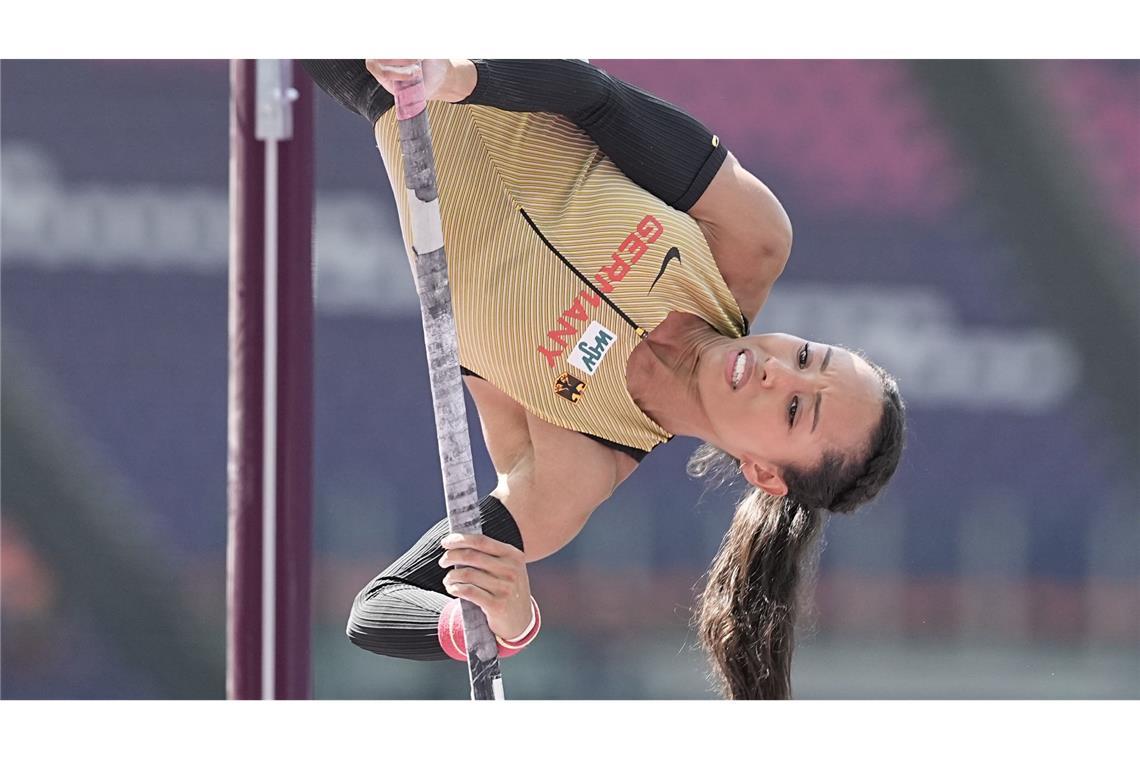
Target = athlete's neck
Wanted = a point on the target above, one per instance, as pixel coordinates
(661, 374)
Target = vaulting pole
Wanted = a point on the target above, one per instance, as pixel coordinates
(443, 365)
(269, 473)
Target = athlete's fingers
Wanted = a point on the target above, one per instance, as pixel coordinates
(473, 576)
(506, 616)
(396, 62)
(487, 602)
(505, 602)
(392, 69)
(482, 543)
(501, 568)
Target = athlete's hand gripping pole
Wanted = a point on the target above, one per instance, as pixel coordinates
(443, 363)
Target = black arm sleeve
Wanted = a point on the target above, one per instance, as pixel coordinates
(654, 143)
(397, 613)
(351, 84)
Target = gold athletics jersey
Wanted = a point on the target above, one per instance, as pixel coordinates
(559, 264)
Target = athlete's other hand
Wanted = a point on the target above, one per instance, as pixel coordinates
(493, 576)
(448, 79)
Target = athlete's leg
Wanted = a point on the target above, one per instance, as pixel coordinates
(397, 614)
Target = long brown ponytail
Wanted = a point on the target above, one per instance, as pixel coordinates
(746, 615)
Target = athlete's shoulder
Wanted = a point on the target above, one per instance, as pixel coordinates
(748, 231)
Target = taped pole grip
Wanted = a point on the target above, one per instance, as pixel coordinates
(434, 291)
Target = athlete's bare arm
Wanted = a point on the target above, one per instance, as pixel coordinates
(748, 232)
(551, 479)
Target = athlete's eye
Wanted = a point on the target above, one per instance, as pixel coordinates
(792, 409)
(804, 355)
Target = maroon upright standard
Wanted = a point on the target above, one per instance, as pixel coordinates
(271, 364)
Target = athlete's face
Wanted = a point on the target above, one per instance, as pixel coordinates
(794, 400)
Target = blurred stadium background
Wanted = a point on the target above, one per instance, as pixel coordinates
(974, 226)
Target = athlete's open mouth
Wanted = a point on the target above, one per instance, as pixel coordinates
(741, 368)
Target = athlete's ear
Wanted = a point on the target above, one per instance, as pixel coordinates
(765, 476)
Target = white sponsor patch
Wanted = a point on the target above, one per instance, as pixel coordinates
(427, 229)
(591, 348)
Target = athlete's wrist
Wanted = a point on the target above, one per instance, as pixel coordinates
(525, 632)
(508, 647)
(453, 640)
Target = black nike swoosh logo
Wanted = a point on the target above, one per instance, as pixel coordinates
(673, 253)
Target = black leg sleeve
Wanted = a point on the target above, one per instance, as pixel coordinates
(397, 614)
(350, 83)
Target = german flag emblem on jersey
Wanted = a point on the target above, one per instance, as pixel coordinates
(569, 387)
